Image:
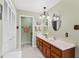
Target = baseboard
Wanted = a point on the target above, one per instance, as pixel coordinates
(25, 43)
(34, 46)
(1, 56)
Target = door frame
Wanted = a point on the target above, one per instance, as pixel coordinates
(20, 29)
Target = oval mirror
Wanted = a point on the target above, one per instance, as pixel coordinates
(56, 22)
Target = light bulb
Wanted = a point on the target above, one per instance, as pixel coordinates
(43, 16)
(57, 18)
(54, 17)
(47, 17)
(40, 17)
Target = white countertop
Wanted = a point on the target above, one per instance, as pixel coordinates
(59, 43)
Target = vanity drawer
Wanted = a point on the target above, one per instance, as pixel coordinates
(41, 43)
(40, 40)
(56, 51)
(40, 48)
(46, 44)
(53, 55)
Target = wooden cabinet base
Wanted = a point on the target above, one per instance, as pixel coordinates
(70, 53)
(50, 51)
(46, 51)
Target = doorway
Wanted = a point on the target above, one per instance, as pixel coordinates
(26, 31)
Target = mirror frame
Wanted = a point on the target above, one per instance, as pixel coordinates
(56, 22)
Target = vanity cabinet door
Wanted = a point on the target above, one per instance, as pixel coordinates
(56, 51)
(46, 44)
(37, 43)
(69, 53)
(46, 51)
(40, 47)
(53, 55)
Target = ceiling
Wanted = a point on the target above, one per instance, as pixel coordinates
(35, 5)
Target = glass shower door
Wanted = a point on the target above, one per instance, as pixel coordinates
(26, 30)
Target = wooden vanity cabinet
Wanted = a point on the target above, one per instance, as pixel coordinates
(50, 51)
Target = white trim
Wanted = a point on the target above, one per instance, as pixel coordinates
(20, 30)
(2, 24)
(25, 43)
(9, 5)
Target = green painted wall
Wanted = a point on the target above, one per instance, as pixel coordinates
(69, 12)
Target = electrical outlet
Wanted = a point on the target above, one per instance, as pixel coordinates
(66, 34)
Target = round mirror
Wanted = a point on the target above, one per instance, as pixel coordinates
(56, 22)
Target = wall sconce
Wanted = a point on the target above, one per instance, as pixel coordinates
(38, 23)
(37, 28)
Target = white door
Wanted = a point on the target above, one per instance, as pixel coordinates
(12, 31)
(9, 28)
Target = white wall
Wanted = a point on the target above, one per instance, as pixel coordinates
(0, 33)
(0, 37)
(69, 12)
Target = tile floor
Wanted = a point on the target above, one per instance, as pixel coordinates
(13, 54)
(29, 52)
